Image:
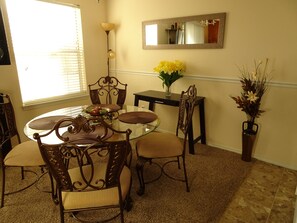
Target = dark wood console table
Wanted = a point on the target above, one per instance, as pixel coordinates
(158, 97)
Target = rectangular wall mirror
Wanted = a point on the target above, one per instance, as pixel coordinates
(191, 32)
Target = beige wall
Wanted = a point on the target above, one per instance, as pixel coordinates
(254, 30)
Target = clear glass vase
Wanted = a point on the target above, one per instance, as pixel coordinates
(167, 91)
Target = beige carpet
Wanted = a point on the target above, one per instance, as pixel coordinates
(214, 177)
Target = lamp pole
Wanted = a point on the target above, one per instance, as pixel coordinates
(110, 54)
(107, 44)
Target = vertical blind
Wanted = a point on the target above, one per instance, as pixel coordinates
(48, 48)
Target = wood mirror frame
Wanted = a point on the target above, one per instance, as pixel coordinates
(203, 32)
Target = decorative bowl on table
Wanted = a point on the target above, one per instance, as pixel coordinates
(108, 110)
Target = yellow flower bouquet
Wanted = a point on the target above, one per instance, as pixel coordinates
(170, 71)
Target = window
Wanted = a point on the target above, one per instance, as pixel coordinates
(151, 32)
(48, 48)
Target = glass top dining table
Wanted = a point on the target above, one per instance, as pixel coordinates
(138, 125)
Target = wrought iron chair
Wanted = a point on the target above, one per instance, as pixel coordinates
(18, 154)
(169, 146)
(108, 90)
(89, 170)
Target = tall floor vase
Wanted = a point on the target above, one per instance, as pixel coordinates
(249, 133)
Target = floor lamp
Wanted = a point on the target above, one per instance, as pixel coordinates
(107, 27)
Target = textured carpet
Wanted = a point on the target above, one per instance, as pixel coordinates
(214, 176)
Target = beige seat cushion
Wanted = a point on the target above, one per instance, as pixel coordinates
(24, 154)
(95, 198)
(159, 145)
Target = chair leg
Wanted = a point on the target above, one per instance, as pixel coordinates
(186, 177)
(54, 192)
(61, 210)
(139, 169)
(2, 170)
(178, 163)
(128, 203)
(22, 173)
(62, 217)
(122, 214)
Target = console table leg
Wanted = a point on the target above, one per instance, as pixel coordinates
(202, 123)
(136, 101)
(191, 139)
(151, 106)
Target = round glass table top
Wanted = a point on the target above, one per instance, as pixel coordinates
(140, 121)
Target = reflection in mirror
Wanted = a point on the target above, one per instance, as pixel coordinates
(201, 31)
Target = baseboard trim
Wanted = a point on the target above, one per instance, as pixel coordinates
(256, 156)
(238, 151)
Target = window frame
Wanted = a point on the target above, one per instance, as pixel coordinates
(79, 74)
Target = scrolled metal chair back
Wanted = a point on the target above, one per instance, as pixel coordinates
(72, 153)
(186, 109)
(7, 111)
(110, 90)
